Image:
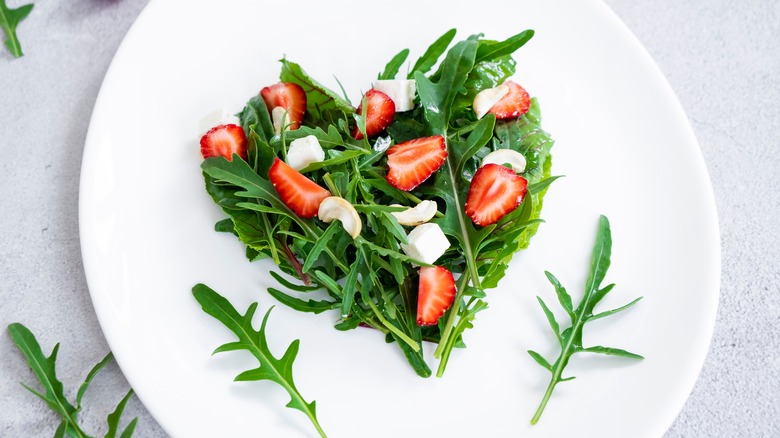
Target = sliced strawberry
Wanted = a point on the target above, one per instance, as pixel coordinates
(224, 141)
(495, 191)
(301, 194)
(514, 104)
(289, 96)
(435, 294)
(412, 162)
(379, 114)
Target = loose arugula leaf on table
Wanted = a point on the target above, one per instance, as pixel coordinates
(570, 339)
(278, 370)
(9, 19)
(54, 394)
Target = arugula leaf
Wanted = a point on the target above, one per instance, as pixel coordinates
(570, 339)
(54, 395)
(429, 58)
(318, 97)
(392, 67)
(254, 341)
(9, 19)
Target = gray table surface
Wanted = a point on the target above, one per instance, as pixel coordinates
(721, 57)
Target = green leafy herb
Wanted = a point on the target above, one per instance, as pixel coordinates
(254, 341)
(369, 280)
(9, 19)
(53, 393)
(570, 339)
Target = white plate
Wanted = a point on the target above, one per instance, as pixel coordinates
(623, 143)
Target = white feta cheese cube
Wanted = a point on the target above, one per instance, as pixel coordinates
(304, 151)
(401, 91)
(427, 243)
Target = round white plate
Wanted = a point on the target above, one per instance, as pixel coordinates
(623, 143)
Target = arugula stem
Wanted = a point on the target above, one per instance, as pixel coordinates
(463, 281)
(468, 252)
(546, 398)
(409, 341)
(563, 359)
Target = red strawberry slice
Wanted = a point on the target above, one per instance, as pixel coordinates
(301, 194)
(224, 141)
(514, 104)
(379, 114)
(495, 191)
(289, 96)
(412, 162)
(435, 294)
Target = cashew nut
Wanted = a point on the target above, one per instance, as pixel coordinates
(334, 207)
(502, 157)
(485, 99)
(280, 119)
(419, 214)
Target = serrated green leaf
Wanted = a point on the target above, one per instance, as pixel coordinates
(432, 54)
(271, 368)
(491, 50)
(114, 417)
(320, 245)
(600, 294)
(60, 432)
(540, 360)
(600, 259)
(613, 311)
(551, 320)
(230, 346)
(336, 157)
(563, 297)
(44, 369)
(318, 97)
(390, 253)
(611, 352)
(311, 306)
(350, 286)
(571, 338)
(392, 67)
(542, 185)
(128, 432)
(292, 286)
(9, 19)
(91, 375)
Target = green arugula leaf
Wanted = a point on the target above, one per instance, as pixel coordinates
(300, 305)
(114, 417)
(254, 341)
(492, 50)
(432, 54)
(570, 339)
(318, 97)
(392, 67)
(54, 395)
(9, 19)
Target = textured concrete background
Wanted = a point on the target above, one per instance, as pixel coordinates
(721, 57)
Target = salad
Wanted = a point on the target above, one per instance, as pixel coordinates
(398, 213)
